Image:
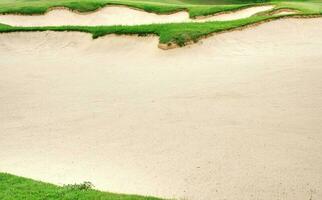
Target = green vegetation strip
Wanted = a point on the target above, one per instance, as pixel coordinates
(18, 188)
(28, 7)
(194, 7)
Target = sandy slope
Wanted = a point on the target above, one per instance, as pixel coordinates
(116, 15)
(237, 116)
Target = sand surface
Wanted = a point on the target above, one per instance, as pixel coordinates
(285, 12)
(117, 15)
(236, 116)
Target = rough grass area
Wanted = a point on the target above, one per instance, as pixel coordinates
(18, 188)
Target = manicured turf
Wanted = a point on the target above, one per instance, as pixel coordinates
(157, 6)
(18, 188)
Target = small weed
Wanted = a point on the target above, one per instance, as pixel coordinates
(82, 186)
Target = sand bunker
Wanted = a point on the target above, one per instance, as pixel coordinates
(236, 116)
(116, 15)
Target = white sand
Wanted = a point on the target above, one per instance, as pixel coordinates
(286, 12)
(116, 15)
(240, 14)
(236, 116)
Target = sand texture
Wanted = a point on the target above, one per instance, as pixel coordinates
(236, 116)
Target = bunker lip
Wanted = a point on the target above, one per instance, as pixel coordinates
(239, 106)
(172, 45)
(120, 15)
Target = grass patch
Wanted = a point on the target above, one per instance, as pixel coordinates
(19, 188)
(179, 33)
(28, 7)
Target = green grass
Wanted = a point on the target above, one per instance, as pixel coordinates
(307, 8)
(194, 7)
(156, 6)
(178, 33)
(18, 188)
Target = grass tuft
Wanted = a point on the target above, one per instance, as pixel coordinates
(19, 188)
